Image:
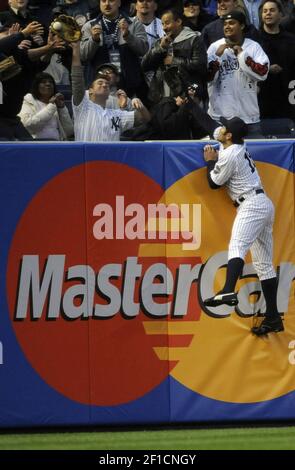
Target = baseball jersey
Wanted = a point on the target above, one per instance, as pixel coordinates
(236, 170)
(94, 123)
(233, 91)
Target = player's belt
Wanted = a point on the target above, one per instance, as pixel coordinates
(241, 199)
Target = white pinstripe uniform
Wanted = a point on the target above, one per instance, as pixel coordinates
(93, 123)
(252, 228)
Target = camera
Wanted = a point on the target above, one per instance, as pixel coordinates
(194, 87)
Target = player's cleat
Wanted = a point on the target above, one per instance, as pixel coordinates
(230, 298)
(268, 326)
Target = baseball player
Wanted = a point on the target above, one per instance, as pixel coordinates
(234, 168)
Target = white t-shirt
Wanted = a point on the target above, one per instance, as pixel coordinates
(94, 123)
(236, 169)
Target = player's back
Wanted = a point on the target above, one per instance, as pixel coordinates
(242, 174)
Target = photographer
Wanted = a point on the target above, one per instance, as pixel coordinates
(172, 119)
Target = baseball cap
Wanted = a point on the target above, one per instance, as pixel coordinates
(237, 127)
(113, 67)
(235, 15)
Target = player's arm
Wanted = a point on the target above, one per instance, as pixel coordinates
(199, 115)
(211, 157)
(78, 84)
(141, 113)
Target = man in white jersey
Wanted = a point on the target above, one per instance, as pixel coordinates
(233, 167)
(92, 120)
(236, 64)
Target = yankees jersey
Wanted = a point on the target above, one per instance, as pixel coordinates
(236, 170)
(94, 123)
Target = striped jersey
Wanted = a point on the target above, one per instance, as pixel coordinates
(93, 123)
(236, 170)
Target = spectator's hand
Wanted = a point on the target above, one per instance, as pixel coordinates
(38, 39)
(60, 100)
(166, 41)
(96, 31)
(180, 101)
(237, 49)
(210, 153)
(137, 104)
(275, 68)
(221, 49)
(15, 28)
(25, 44)
(33, 28)
(124, 27)
(168, 60)
(55, 42)
(122, 98)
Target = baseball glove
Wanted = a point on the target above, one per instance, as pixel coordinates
(8, 68)
(67, 28)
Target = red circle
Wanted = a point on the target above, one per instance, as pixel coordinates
(92, 361)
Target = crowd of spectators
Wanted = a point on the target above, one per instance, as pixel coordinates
(129, 76)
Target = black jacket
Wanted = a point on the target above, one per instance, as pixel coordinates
(189, 65)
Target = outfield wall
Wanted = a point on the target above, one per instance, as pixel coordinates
(107, 253)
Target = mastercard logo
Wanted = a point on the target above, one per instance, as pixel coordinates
(104, 320)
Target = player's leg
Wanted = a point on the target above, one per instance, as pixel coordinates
(262, 252)
(249, 222)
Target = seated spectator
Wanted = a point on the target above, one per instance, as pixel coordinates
(92, 120)
(194, 16)
(279, 45)
(214, 30)
(44, 113)
(236, 65)
(179, 58)
(114, 38)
